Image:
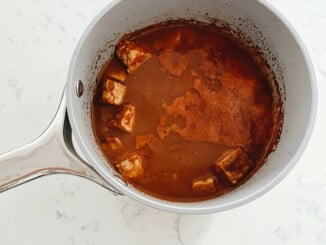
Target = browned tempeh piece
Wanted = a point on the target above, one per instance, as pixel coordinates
(119, 75)
(114, 143)
(235, 164)
(205, 184)
(113, 92)
(131, 167)
(124, 118)
(132, 54)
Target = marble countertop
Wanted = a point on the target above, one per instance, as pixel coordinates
(36, 43)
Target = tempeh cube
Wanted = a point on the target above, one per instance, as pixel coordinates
(112, 146)
(205, 184)
(114, 143)
(235, 164)
(119, 75)
(131, 167)
(132, 54)
(124, 118)
(113, 92)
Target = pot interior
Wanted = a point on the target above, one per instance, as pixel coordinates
(255, 22)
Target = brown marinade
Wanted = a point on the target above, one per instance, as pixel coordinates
(184, 113)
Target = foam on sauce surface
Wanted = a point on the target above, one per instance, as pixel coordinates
(196, 97)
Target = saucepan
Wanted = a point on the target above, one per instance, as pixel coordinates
(55, 151)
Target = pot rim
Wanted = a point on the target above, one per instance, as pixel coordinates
(184, 207)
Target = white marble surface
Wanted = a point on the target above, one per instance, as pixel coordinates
(36, 42)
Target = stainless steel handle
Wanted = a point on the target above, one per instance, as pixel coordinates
(51, 153)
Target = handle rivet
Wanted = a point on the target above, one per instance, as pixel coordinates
(79, 88)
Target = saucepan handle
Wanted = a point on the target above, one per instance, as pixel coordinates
(51, 153)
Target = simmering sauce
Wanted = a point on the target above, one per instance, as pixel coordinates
(184, 113)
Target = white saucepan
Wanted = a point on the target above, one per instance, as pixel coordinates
(54, 151)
